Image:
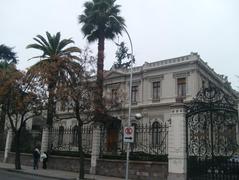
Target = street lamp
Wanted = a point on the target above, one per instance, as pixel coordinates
(138, 116)
(130, 93)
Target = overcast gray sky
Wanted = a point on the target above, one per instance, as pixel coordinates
(159, 29)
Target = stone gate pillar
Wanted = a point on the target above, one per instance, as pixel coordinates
(95, 147)
(177, 157)
(8, 144)
(44, 140)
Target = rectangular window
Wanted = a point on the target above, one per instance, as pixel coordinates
(134, 94)
(114, 96)
(181, 86)
(63, 106)
(203, 84)
(156, 90)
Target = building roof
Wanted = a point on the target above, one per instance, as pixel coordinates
(193, 57)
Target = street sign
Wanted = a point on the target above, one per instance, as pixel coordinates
(129, 134)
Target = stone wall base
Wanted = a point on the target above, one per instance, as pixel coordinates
(92, 170)
(176, 176)
(138, 170)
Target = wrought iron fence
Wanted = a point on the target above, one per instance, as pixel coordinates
(66, 139)
(150, 142)
(212, 148)
(219, 168)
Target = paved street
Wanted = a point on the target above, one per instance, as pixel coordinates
(7, 175)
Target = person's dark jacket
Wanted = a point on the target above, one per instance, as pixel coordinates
(36, 155)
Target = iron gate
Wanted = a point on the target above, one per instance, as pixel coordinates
(211, 122)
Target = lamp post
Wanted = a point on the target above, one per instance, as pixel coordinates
(130, 94)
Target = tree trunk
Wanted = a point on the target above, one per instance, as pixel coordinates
(82, 155)
(99, 108)
(3, 117)
(17, 150)
(80, 150)
(50, 105)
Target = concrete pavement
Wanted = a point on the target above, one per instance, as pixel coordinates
(50, 173)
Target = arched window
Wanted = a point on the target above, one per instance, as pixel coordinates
(156, 129)
(135, 134)
(75, 135)
(61, 134)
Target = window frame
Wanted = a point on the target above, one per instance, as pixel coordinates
(181, 87)
(156, 90)
(61, 135)
(114, 93)
(156, 134)
(134, 94)
(136, 129)
(75, 135)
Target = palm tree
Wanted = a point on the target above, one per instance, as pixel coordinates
(55, 55)
(8, 59)
(7, 54)
(101, 21)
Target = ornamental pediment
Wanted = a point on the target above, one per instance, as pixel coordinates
(114, 74)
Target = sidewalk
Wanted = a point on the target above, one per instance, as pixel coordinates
(50, 173)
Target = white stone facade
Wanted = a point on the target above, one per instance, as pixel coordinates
(191, 70)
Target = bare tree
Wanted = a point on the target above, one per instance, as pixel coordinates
(8, 60)
(21, 106)
(77, 90)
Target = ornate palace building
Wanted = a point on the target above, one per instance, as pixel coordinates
(155, 87)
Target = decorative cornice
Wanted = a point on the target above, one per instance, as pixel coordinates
(163, 63)
(213, 76)
(113, 85)
(181, 74)
(154, 77)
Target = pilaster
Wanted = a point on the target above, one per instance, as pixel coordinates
(45, 139)
(95, 148)
(177, 143)
(8, 144)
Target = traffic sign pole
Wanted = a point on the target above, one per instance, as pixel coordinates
(127, 162)
(129, 134)
(130, 87)
(128, 138)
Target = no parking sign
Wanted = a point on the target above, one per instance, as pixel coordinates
(129, 134)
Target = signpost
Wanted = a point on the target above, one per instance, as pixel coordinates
(129, 134)
(130, 94)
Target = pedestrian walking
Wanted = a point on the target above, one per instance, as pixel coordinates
(36, 157)
(44, 158)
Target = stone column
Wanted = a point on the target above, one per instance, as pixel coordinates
(177, 157)
(8, 144)
(44, 140)
(95, 148)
